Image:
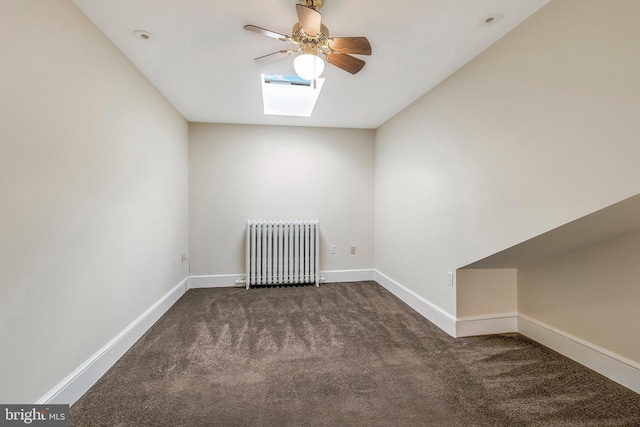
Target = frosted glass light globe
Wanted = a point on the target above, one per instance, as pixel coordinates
(308, 66)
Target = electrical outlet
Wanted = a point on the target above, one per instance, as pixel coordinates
(450, 278)
(183, 257)
(353, 250)
(333, 249)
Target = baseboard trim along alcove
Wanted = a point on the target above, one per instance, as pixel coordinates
(615, 367)
(438, 316)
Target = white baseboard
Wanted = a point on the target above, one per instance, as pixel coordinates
(214, 281)
(71, 388)
(498, 323)
(229, 280)
(613, 366)
(427, 309)
(333, 276)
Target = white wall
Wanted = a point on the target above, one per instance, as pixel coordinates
(239, 172)
(591, 293)
(540, 129)
(537, 131)
(93, 183)
(492, 291)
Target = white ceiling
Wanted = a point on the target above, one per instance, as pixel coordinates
(201, 58)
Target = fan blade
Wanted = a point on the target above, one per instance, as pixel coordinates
(267, 33)
(355, 45)
(275, 55)
(346, 62)
(309, 19)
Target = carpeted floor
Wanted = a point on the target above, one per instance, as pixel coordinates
(344, 354)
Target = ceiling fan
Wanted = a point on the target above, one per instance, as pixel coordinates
(312, 38)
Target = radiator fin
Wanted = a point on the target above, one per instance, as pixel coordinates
(282, 252)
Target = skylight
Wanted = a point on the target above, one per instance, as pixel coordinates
(289, 95)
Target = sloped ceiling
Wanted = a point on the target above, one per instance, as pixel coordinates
(201, 58)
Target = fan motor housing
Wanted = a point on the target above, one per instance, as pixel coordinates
(308, 42)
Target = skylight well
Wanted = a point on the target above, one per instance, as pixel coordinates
(289, 95)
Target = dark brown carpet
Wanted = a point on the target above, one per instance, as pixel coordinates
(344, 354)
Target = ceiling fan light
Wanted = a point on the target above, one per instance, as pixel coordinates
(308, 66)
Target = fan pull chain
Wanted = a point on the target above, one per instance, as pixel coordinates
(315, 58)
